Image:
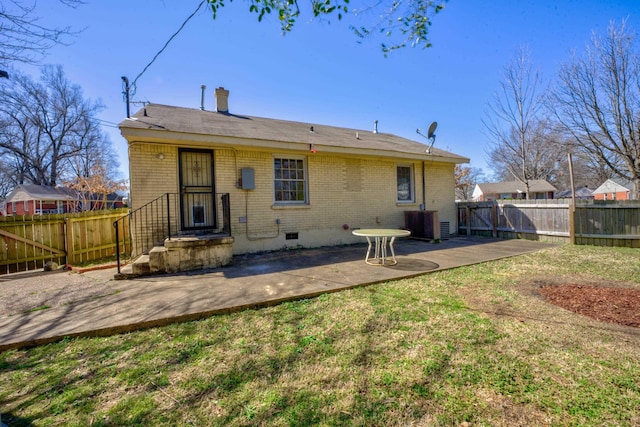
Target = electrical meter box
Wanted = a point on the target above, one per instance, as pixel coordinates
(247, 179)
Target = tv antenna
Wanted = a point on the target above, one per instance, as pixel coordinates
(431, 135)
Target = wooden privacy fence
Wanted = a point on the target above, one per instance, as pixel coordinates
(611, 223)
(608, 224)
(28, 242)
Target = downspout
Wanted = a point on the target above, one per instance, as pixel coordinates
(424, 190)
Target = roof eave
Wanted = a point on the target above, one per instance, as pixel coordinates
(133, 135)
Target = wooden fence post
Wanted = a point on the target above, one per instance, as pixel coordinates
(572, 223)
(68, 241)
(494, 219)
(468, 220)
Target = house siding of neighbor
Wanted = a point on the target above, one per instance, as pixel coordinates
(348, 184)
(539, 189)
(613, 190)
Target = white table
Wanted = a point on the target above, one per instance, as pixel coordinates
(382, 237)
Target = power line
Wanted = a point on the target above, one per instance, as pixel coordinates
(133, 84)
(106, 122)
(110, 126)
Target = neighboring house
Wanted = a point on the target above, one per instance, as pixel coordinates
(539, 189)
(582, 193)
(114, 201)
(613, 189)
(31, 199)
(96, 202)
(289, 183)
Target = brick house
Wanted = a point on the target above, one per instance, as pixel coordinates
(97, 202)
(290, 184)
(31, 199)
(613, 189)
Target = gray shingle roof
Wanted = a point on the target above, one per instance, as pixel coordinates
(255, 131)
(38, 192)
(581, 193)
(535, 186)
(614, 185)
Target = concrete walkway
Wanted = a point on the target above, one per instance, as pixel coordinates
(251, 281)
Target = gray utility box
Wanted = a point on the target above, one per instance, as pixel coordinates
(247, 178)
(422, 224)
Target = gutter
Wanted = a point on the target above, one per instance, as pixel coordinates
(210, 141)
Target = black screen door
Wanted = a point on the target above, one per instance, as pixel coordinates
(197, 194)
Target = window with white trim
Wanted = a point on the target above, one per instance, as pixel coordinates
(290, 180)
(405, 185)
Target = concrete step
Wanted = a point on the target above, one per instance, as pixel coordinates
(184, 253)
(126, 272)
(141, 266)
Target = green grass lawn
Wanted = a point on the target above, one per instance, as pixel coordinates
(470, 346)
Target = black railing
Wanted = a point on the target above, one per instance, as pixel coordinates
(162, 218)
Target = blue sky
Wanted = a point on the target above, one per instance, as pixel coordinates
(319, 73)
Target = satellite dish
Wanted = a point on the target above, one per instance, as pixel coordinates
(432, 130)
(431, 135)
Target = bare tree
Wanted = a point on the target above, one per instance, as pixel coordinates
(597, 102)
(522, 143)
(541, 156)
(466, 178)
(93, 174)
(12, 172)
(589, 171)
(94, 188)
(46, 124)
(23, 37)
(7, 181)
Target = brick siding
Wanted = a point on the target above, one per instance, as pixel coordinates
(342, 190)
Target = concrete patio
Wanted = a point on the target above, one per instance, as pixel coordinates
(251, 281)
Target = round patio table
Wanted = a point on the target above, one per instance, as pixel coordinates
(382, 237)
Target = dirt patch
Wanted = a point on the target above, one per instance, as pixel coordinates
(614, 303)
(605, 304)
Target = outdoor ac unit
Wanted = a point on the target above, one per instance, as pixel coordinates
(422, 224)
(445, 233)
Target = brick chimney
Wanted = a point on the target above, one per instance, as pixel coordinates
(222, 100)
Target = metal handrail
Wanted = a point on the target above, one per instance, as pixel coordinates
(151, 224)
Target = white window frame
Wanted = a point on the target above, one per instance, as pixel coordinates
(412, 186)
(279, 178)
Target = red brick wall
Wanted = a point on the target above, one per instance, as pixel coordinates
(620, 195)
(18, 208)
